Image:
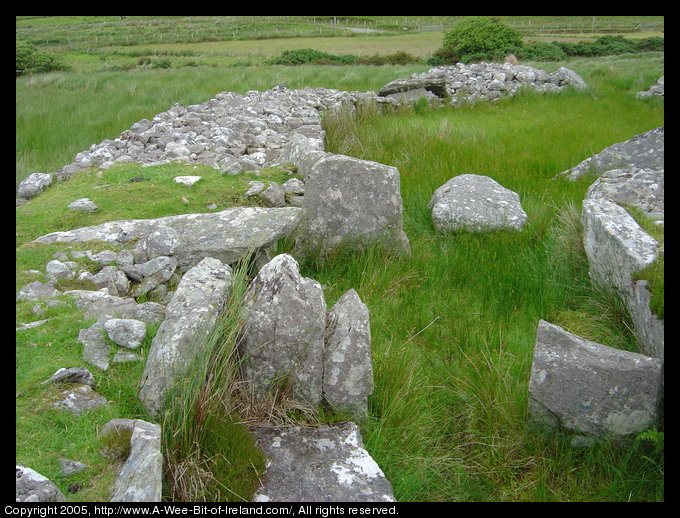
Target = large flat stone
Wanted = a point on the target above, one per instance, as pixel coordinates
(323, 464)
(228, 235)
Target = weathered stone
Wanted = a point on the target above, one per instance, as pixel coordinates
(72, 375)
(189, 318)
(112, 278)
(71, 467)
(56, 269)
(475, 202)
(294, 186)
(99, 303)
(79, 399)
(84, 204)
(641, 188)
(187, 180)
(273, 195)
(351, 202)
(228, 235)
(96, 348)
(126, 332)
(348, 369)
(324, 464)
(656, 90)
(31, 486)
(643, 151)
(283, 332)
(141, 477)
(160, 240)
(36, 290)
(615, 244)
(34, 184)
(588, 388)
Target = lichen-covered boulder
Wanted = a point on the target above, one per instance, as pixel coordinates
(587, 388)
(353, 203)
(322, 464)
(475, 202)
(189, 317)
(282, 339)
(348, 370)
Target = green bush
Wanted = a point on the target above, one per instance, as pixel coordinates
(311, 56)
(397, 58)
(481, 37)
(32, 60)
(541, 51)
(610, 45)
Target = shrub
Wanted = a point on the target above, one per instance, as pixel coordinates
(481, 37)
(541, 51)
(397, 58)
(311, 56)
(32, 60)
(609, 45)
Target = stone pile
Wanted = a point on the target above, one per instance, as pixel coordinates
(290, 342)
(468, 84)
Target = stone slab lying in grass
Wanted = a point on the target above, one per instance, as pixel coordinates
(228, 235)
(322, 464)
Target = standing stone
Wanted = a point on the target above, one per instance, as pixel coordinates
(351, 202)
(475, 202)
(283, 332)
(348, 370)
(141, 477)
(324, 464)
(589, 388)
(189, 318)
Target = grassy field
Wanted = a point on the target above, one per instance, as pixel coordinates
(453, 326)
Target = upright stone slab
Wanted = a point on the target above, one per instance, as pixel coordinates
(141, 477)
(475, 202)
(588, 388)
(351, 202)
(348, 369)
(189, 317)
(283, 332)
(323, 464)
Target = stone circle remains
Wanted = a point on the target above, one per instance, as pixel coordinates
(323, 353)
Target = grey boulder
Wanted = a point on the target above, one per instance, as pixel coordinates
(31, 486)
(324, 464)
(351, 202)
(189, 318)
(587, 388)
(282, 339)
(348, 370)
(475, 202)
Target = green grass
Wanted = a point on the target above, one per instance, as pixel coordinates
(453, 325)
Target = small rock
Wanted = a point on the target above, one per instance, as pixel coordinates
(84, 204)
